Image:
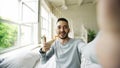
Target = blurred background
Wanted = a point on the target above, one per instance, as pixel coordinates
(23, 23)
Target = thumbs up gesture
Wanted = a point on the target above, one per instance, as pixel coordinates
(46, 45)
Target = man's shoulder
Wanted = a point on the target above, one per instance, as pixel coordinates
(56, 42)
(78, 40)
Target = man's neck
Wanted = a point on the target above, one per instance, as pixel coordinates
(63, 41)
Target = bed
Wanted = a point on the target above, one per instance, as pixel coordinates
(26, 59)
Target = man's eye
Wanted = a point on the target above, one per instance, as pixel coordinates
(65, 27)
(59, 27)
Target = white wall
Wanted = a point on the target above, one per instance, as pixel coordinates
(78, 15)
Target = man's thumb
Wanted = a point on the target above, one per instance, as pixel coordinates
(44, 39)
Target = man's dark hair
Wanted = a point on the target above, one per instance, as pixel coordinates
(62, 19)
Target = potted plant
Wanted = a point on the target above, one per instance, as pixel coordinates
(91, 35)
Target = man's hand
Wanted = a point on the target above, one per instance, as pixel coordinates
(46, 47)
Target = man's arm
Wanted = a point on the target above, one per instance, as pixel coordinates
(45, 56)
(81, 44)
(109, 15)
(47, 51)
(108, 43)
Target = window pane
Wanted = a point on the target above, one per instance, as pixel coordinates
(44, 13)
(26, 35)
(22, 17)
(9, 9)
(45, 23)
(33, 5)
(35, 33)
(28, 15)
(8, 35)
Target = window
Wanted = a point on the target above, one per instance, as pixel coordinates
(23, 16)
(29, 18)
(45, 23)
(8, 34)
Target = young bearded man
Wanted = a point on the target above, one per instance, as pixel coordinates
(67, 50)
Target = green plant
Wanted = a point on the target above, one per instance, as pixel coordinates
(8, 35)
(91, 35)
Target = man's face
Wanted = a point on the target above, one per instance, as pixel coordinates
(62, 29)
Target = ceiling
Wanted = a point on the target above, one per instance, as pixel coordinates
(65, 4)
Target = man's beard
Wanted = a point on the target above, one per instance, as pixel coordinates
(64, 36)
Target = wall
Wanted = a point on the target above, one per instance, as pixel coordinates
(78, 15)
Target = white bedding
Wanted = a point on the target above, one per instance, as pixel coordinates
(29, 59)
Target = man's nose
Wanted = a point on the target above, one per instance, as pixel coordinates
(62, 29)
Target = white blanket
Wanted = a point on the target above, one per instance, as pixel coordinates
(29, 59)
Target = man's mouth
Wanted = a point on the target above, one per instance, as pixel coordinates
(62, 33)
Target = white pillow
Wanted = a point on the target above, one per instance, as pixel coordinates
(22, 60)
